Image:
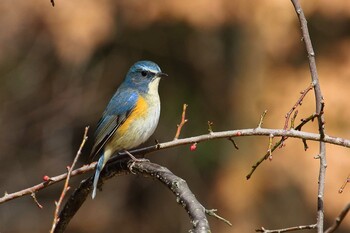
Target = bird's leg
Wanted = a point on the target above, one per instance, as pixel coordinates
(130, 155)
(133, 160)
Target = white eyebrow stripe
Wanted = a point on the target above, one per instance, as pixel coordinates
(150, 70)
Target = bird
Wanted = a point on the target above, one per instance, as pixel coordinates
(131, 115)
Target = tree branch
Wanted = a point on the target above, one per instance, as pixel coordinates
(297, 228)
(185, 141)
(319, 111)
(347, 180)
(178, 186)
(42, 185)
(78, 197)
(279, 144)
(299, 102)
(339, 219)
(66, 187)
(182, 123)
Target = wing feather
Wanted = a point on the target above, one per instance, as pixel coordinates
(118, 109)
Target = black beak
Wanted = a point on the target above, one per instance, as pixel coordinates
(162, 75)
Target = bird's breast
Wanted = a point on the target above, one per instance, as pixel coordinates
(140, 124)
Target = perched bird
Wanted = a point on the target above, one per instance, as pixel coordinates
(131, 116)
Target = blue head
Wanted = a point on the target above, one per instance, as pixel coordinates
(144, 75)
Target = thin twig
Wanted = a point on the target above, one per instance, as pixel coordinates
(292, 121)
(297, 228)
(263, 158)
(269, 150)
(262, 116)
(339, 219)
(66, 184)
(306, 120)
(210, 127)
(305, 144)
(347, 180)
(266, 156)
(186, 141)
(42, 185)
(213, 213)
(233, 142)
(297, 103)
(36, 201)
(183, 121)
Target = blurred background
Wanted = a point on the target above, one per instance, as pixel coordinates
(228, 60)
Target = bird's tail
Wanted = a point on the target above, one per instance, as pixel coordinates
(99, 167)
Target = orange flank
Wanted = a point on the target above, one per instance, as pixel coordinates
(140, 111)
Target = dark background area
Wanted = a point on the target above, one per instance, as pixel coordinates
(228, 60)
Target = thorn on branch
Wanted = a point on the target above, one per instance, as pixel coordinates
(212, 213)
(233, 142)
(36, 200)
(305, 144)
(183, 121)
(262, 116)
(320, 114)
(292, 121)
(52, 2)
(269, 150)
(210, 127)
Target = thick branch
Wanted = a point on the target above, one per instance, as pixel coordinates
(178, 186)
(180, 189)
(78, 197)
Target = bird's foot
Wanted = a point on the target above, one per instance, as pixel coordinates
(134, 160)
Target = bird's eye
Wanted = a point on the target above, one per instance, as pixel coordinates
(144, 73)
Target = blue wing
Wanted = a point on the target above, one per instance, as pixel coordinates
(117, 111)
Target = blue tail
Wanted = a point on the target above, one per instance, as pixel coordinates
(99, 168)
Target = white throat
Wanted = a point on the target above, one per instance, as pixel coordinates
(153, 86)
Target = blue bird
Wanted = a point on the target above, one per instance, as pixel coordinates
(130, 117)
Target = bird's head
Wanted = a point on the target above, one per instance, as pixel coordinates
(145, 76)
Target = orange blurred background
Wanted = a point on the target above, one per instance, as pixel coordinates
(229, 60)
